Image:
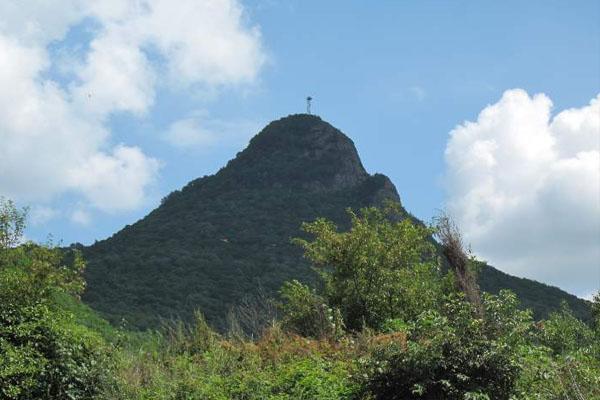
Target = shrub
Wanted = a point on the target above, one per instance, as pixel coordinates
(44, 354)
(448, 355)
(306, 313)
(561, 361)
(194, 338)
(547, 376)
(563, 333)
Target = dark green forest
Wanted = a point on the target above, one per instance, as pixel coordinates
(384, 319)
(224, 239)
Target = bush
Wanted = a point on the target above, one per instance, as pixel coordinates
(277, 367)
(448, 356)
(563, 333)
(44, 354)
(561, 361)
(194, 338)
(312, 378)
(306, 313)
(547, 376)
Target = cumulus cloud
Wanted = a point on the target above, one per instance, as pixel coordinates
(116, 180)
(116, 76)
(525, 188)
(48, 143)
(209, 43)
(55, 133)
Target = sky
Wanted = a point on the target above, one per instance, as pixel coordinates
(489, 110)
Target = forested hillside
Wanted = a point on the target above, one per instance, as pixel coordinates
(228, 236)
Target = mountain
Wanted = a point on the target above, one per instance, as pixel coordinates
(226, 236)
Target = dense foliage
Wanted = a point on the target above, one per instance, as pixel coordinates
(383, 274)
(44, 352)
(444, 340)
(383, 267)
(221, 237)
(450, 355)
(54, 347)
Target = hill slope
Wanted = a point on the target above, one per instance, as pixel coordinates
(223, 236)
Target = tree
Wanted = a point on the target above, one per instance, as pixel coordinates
(44, 353)
(385, 267)
(12, 224)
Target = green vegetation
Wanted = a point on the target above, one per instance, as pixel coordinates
(384, 321)
(216, 241)
(223, 238)
(378, 270)
(44, 352)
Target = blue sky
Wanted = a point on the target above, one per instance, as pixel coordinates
(397, 77)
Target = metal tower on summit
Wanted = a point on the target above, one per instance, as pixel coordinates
(308, 100)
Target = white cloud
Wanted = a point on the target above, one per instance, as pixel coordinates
(39, 215)
(55, 136)
(525, 188)
(116, 76)
(199, 132)
(38, 22)
(189, 133)
(42, 135)
(117, 180)
(209, 43)
(81, 217)
(198, 43)
(48, 145)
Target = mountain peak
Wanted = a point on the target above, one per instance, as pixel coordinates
(300, 150)
(226, 236)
